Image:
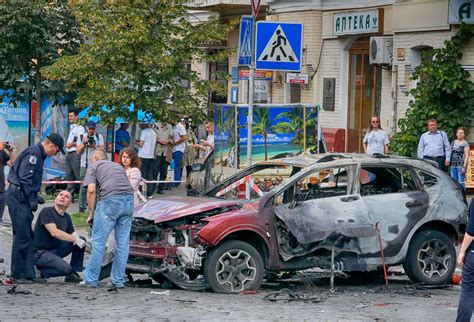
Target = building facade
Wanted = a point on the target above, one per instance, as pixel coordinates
(337, 47)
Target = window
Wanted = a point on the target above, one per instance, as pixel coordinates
(316, 185)
(381, 180)
(427, 180)
(262, 179)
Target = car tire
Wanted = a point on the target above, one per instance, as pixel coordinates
(431, 258)
(233, 266)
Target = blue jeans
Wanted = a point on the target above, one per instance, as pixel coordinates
(456, 174)
(178, 170)
(114, 212)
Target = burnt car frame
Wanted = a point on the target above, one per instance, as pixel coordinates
(319, 204)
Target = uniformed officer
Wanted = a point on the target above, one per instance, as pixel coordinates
(25, 179)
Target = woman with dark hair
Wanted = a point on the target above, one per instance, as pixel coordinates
(131, 162)
(459, 156)
(376, 139)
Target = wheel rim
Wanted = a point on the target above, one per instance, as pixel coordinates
(236, 270)
(434, 258)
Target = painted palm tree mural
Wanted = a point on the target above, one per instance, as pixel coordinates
(277, 131)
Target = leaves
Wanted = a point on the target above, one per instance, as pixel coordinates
(444, 92)
(136, 54)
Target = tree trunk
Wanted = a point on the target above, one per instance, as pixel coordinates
(38, 133)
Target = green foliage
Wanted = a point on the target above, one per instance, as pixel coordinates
(79, 219)
(295, 124)
(136, 55)
(34, 34)
(444, 92)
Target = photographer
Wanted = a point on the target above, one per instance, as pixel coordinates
(7, 157)
(72, 157)
(86, 145)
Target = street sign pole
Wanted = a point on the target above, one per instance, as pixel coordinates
(251, 94)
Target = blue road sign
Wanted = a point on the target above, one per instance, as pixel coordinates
(279, 46)
(245, 41)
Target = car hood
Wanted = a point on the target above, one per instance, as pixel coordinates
(167, 209)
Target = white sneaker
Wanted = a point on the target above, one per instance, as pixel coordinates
(150, 197)
(84, 284)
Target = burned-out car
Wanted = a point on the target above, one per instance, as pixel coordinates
(292, 214)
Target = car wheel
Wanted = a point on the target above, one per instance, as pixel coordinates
(431, 258)
(233, 267)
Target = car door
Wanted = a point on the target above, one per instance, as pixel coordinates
(317, 209)
(394, 200)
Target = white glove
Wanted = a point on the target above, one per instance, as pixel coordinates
(79, 242)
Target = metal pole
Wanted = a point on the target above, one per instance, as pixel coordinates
(250, 112)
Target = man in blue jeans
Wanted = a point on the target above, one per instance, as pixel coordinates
(466, 261)
(113, 211)
(179, 137)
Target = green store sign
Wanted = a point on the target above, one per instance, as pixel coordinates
(460, 11)
(357, 22)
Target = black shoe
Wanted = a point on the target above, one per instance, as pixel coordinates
(72, 278)
(35, 280)
(82, 210)
(160, 192)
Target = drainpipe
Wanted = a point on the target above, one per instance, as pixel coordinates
(394, 98)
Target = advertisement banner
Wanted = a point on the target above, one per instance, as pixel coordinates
(14, 124)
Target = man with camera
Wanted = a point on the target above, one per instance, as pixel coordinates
(72, 157)
(25, 179)
(86, 145)
(7, 157)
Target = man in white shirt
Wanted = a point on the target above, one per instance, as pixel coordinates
(179, 137)
(86, 144)
(146, 153)
(73, 159)
(208, 144)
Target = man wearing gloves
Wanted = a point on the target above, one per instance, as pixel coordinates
(55, 238)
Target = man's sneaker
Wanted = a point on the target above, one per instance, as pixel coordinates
(84, 284)
(72, 278)
(112, 285)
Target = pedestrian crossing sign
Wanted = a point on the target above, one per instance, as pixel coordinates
(279, 46)
(245, 41)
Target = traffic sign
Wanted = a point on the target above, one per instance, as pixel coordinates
(234, 94)
(279, 46)
(255, 7)
(245, 41)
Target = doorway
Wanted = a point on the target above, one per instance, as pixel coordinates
(364, 94)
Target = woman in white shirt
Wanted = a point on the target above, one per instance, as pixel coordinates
(131, 162)
(376, 139)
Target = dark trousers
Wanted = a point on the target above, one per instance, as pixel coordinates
(440, 160)
(161, 169)
(466, 299)
(73, 165)
(51, 263)
(148, 169)
(2, 205)
(22, 263)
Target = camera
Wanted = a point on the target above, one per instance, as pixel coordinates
(7, 145)
(90, 140)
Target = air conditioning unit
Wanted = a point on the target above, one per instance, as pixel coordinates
(381, 50)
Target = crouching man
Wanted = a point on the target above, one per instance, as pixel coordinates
(55, 239)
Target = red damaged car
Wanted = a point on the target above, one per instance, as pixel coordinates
(297, 212)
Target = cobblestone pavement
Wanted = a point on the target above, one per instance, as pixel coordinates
(309, 299)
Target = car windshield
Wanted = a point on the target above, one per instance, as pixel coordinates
(260, 178)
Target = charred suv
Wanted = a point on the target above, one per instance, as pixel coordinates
(300, 210)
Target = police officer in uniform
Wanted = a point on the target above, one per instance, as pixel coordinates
(25, 179)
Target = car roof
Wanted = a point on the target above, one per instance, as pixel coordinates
(307, 160)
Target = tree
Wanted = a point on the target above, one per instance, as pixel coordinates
(33, 35)
(136, 56)
(295, 124)
(261, 125)
(444, 92)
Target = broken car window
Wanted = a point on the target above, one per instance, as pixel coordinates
(316, 185)
(381, 180)
(428, 180)
(261, 179)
